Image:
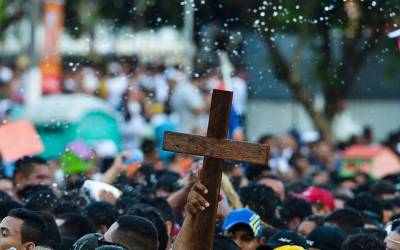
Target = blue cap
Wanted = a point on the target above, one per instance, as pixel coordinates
(243, 216)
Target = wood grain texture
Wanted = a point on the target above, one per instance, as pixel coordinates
(217, 148)
(211, 173)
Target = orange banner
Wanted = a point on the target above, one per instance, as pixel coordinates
(50, 63)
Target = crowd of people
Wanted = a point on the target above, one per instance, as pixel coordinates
(298, 200)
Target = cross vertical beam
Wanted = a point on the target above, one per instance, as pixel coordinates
(215, 149)
(211, 173)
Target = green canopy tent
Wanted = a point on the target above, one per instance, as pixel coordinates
(60, 119)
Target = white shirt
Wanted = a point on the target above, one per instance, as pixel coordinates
(186, 98)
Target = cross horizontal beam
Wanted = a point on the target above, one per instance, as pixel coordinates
(216, 148)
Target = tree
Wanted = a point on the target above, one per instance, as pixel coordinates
(357, 27)
(342, 34)
(10, 12)
(361, 26)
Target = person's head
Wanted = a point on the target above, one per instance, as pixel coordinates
(168, 182)
(31, 171)
(154, 215)
(309, 224)
(243, 226)
(294, 210)
(224, 243)
(102, 214)
(44, 200)
(7, 206)
(255, 171)
(91, 241)
(326, 238)
(321, 200)
(384, 190)
(275, 183)
(54, 236)
(23, 230)
(346, 219)
(287, 239)
(261, 199)
(363, 242)
(392, 241)
(65, 208)
(29, 190)
(166, 211)
(369, 206)
(133, 232)
(149, 150)
(74, 225)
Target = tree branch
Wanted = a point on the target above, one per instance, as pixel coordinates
(291, 75)
(5, 23)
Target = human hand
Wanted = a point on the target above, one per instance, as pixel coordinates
(107, 196)
(118, 163)
(196, 201)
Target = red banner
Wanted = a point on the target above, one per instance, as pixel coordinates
(50, 63)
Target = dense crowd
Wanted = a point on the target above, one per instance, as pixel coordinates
(298, 201)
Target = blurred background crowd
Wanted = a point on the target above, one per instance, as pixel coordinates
(87, 94)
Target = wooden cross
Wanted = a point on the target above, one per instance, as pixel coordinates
(215, 149)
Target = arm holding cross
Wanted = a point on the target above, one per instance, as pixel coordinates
(195, 203)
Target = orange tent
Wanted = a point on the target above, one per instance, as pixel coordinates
(375, 160)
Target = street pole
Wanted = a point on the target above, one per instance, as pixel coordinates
(188, 34)
(32, 89)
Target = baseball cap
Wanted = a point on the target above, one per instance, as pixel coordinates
(91, 242)
(243, 216)
(318, 195)
(326, 237)
(286, 238)
(287, 247)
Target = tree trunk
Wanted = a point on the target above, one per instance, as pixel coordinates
(291, 75)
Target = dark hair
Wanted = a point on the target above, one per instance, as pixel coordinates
(363, 242)
(4, 196)
(153, 214)
(346, 219)
(29, 190)
(148, 146)
(264, 138)
(7, 206)
(75, 225)
(125, 201)
(164, 207)
(382, 187)
(260, 199)
(318, 220)
(365, 202)
(53, 232)
(224, 243)
(378, 233)
(168, 181)
(135, 232)
(65, 207)
(34, 227)
(44, 200)
(295, 208)
(25, 165)
(254, 171)
(67, 243)
(101, 213)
